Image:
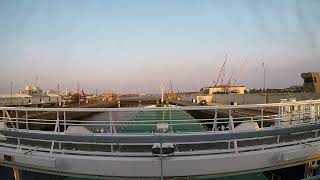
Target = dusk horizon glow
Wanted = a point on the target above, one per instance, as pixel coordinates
(133, 46)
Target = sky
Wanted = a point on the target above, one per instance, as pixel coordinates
(131, 46)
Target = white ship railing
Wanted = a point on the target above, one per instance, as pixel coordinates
(234, 139)
(24, 132)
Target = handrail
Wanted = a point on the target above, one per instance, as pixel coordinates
(159, 137)
(286, 119)
(221, 107)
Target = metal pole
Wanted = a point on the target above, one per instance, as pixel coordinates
(261, 118)
(16, 173)
(17, 129)
(78, 84)
(56, 129)
(110, 128)
(11, 82)
(161, 157)
(17, 123)
(231, 127)
(64, 122)
(264, 83)
(279, 116)
(214, 127)
(27, 125)
(318, 114)
(170, 115)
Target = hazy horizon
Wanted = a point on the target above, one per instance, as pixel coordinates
(133, 46)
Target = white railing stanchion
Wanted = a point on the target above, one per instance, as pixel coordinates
(161, 163)
(17, 129)
(170, 122)
(64, 122)
(318, 113)
(4, 120)
(279, 116)
(110, 129)
(214, 126)
(261, 122)
(230, 115)
(56, 129)
(17, 123)
(27, 123)
(231, 127)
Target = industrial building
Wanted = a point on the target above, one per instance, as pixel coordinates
(204, 98)
(108, 97)
(27, 100)
(311, 82)
(224, 90)
(31, 96)
(31, 90)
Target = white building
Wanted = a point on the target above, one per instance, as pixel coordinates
(224, 89)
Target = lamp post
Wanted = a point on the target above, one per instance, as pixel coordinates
(264, 83)
(162, 90)
(11, 84)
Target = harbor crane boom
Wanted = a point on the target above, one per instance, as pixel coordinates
(240, 71)
(221, 71)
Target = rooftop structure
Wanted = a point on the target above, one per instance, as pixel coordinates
(224, 90)
(311, 81)
(31, 90)
(107, 97)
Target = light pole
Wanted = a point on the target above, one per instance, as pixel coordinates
(11, 83)
(78, 86)
(162, 89)
(264, 83)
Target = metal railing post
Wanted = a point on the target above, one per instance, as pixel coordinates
(279, 121)
(170, 122)
(231, 127)
(161, 163)
(4, 119)
(279, 116)
(301, 112)
(110, 129)
(27, 124)
(56, 129)
(17, 129)
(214, 126)
(64, 121)
(261, 122)
(17, 123)
(318, 113)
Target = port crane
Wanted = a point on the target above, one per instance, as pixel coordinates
(235, 80)
(221, 73)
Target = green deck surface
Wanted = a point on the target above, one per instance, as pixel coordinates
(175, 119)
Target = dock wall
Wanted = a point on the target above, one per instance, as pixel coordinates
(260, 98)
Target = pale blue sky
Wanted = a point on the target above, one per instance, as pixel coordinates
(133, 46)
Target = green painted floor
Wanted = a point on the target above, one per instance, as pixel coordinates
(155, 117)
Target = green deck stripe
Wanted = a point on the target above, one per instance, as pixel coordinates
(156, 117)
